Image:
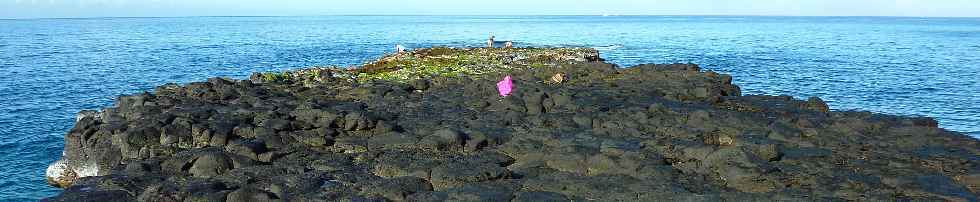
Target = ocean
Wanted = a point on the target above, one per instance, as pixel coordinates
(52, 68)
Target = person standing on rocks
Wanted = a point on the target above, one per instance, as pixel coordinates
(490, 41)
(399, 49)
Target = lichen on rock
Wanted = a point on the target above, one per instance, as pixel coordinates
(439, 62)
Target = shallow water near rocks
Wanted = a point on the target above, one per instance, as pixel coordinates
(52, 68)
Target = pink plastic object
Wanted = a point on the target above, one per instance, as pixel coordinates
(505, 86)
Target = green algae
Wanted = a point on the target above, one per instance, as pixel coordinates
(437, 62)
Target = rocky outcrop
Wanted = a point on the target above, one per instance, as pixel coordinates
(650, 132)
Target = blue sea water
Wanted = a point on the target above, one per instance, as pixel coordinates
(52, 68)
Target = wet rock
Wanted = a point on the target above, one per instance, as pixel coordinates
(720, 139)
(923, 122)
(176, 135)
(245, 131)
(817, 104)
(562, 100)
(59, 174)
(276, 124)
(251, 194)
(971, 182)
(220, 138)
(477, 141)
(394, 140)
(534, 102)
(804, 153)
(94, 115)
(396, 189)
(80, 195)
(540, 196)
(312, 138)
(939, 186)
(494, 191)
(445, 139)
(247, 148)
(583, 121)
(420, 85)
(457, 174)
(357, 121)
(404, 165)
(210, 164)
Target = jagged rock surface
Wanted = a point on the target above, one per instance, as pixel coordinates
(650, 132)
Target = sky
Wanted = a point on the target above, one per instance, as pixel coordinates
(169, 8)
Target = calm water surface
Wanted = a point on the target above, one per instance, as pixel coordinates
(52, 68)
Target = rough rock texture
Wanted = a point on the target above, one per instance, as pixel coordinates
(650, 132)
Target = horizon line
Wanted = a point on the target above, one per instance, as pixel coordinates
(478, 15)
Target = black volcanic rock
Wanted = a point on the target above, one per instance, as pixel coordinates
(645, 133)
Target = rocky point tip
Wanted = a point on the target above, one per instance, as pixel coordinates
(430, 125)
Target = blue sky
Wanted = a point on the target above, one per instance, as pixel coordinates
(165, 8)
